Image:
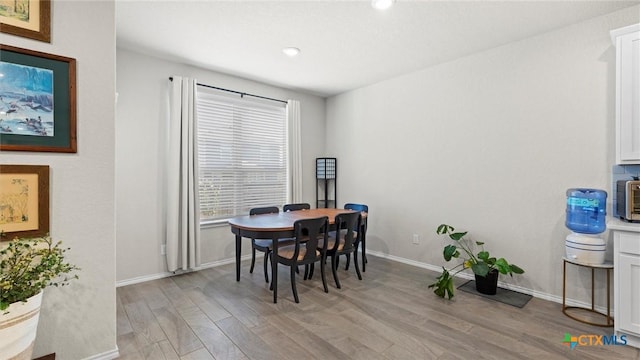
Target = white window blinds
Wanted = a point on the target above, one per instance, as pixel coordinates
(242, 149)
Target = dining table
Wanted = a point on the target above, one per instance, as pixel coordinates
(275, 226)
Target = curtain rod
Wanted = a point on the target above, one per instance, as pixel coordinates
(242, 94)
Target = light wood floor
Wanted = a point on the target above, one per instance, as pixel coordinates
(390, 314)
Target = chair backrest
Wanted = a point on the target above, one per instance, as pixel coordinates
(310, 231)
(357, 207)
(264, 210)
(296, 207)
(348, 222)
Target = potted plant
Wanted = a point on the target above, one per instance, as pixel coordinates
(485, 267)
(27, 266)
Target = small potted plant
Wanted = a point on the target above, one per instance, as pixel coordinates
(27, 266)
(485, 267)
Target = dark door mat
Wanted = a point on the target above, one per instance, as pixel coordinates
(506, 296)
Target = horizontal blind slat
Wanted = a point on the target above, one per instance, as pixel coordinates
(242, 153)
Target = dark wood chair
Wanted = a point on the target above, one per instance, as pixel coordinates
(296, 207)
(264, 245)
(344, 242)
(306, 249)
(363, 237)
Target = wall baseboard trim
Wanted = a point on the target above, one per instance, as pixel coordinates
(438, 269)
(145, 278)
(109, 355)
(534, 293)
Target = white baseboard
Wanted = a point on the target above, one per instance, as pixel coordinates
(112, 354)
(534, 293)
(141, 279)
(145, 278)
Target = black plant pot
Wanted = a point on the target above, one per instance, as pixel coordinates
(487, 284)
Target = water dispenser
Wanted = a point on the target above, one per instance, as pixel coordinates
(586, 218)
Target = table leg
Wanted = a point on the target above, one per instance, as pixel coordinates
(608, 300)
(274, 270)
(564, 284)
(238, 251)
(593, 297)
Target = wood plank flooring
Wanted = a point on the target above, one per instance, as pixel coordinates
(390, 314)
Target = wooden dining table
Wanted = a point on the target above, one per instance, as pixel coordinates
(274, 227)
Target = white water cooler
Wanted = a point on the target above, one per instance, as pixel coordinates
(585, 248)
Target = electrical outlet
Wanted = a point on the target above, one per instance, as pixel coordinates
(416, 239)
(163, 249)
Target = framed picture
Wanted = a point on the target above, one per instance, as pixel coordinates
(37, 101)
(26, 18)
(24, 201)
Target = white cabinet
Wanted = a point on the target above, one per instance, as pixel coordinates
(626, 283)
(627, 42)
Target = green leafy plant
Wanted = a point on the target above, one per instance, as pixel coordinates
(29, 265)
(480, 263)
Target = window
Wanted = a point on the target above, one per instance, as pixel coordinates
(242, 150)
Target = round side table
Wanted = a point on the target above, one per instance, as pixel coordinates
(608, 266)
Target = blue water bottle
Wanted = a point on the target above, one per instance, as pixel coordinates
(586, 210)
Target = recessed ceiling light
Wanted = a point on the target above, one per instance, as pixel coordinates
(381, 4)
(291, 51)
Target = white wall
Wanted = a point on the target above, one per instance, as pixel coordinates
(79, 321)
(488, 143)
(140, 129)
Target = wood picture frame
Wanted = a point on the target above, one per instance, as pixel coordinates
(24, 201)
(37, 101)
(27, 18)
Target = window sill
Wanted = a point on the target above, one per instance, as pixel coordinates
(214, 223)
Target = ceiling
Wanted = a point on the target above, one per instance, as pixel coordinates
(344, 44)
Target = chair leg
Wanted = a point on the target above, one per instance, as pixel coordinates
(334, 267)
(271, 284)
(355, 263)
(267, 256)
(293, 284)
(364, 253)
(346, 267)
(253, 259)
(324, 276)
(312, 267)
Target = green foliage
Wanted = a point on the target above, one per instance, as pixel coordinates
(444, 284)
(29, 265)
(480, 263)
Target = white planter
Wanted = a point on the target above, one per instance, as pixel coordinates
(18, 328)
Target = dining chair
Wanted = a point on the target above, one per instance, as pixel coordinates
(296, 207)
(264, 245)
(306, 249)
(363, 228)
(344, 241)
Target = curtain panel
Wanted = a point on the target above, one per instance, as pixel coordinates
(183, 209)
(295, 150)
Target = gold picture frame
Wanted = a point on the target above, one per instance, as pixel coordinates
(26, 18)
(24, 201)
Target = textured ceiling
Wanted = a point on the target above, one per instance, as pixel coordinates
(345, 44)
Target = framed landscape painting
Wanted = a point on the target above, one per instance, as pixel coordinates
(24, 201)
(26, 18)
(37, 101)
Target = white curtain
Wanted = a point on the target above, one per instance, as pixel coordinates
(295, 150)
(183, 213)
